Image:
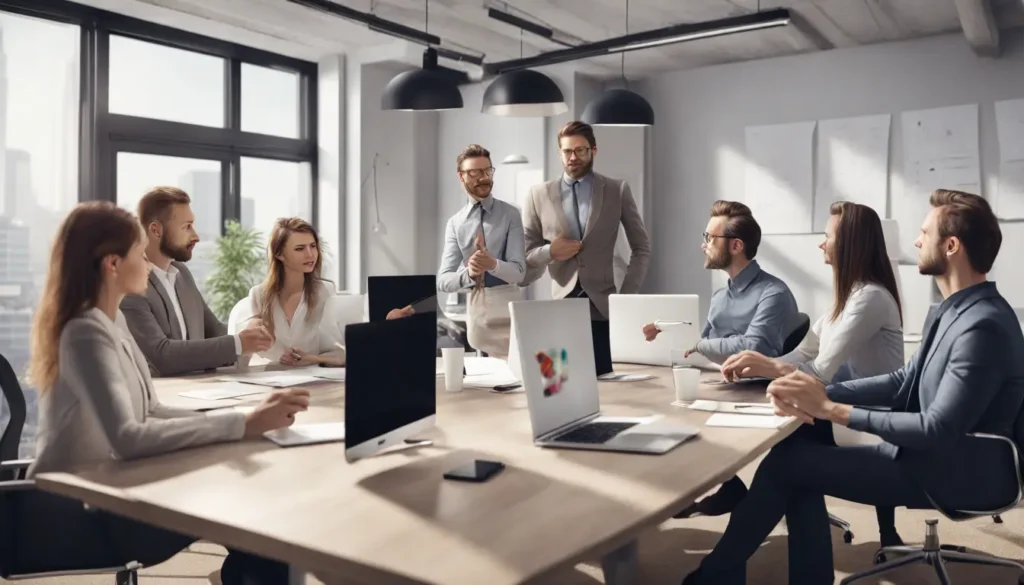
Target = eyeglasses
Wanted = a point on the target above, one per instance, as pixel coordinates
(477, 173)
(708, 237)
(580, 152)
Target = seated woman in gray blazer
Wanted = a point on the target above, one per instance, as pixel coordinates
(861, 337)
(97, 402)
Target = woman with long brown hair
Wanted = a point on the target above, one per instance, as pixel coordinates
(290, 302)
(862, 336)
(97, 400)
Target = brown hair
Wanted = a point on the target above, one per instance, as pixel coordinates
(90, 233)
(860, 256)
(272, 285)
(156, 204)
(471, 151)
(969, 218)
(577, 128)
(741, 225)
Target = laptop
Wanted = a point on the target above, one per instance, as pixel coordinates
(627, 315)
(560, 381)
(600, 335)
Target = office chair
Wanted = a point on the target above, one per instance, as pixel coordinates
(935, 554)
(13, 484)
(797, 334)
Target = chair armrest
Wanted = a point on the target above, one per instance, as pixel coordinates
(15, 464)
(17, 485)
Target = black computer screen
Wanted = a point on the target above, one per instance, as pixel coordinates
(601, 333)
(394, 292)
(390, 376)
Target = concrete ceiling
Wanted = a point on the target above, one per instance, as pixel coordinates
(297, 31)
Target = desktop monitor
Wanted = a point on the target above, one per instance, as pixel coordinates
(394, 292)
(389, 383)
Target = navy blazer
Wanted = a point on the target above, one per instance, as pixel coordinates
(967, 377)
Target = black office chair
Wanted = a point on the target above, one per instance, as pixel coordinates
(932, 552)
(13, 484)
(797, 334)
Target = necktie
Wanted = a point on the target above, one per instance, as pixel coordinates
(576, 208)
(479, 280)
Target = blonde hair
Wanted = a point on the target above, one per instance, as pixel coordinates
(274, 282)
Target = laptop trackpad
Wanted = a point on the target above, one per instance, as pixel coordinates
(655, 436)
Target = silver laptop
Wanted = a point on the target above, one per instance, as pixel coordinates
(556, 356)
(628, 314)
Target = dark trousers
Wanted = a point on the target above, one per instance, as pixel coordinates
(793, 481)
(578, 293)
(53, 533)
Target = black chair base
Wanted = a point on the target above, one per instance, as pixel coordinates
(127, 577)
(934, 554)
(842, 525)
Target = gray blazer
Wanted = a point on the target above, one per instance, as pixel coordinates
(154, 326)
(970, 379)
(103, 406)
(613, 204)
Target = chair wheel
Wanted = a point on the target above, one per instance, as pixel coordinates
(999, 520)
(847, 537)
(880, 558)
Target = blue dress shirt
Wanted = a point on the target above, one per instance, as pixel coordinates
(503, 235)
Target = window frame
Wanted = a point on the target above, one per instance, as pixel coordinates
(103, 134)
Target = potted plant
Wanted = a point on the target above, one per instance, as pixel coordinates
(238, 264)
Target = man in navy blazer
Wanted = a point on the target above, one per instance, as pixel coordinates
(967, 377)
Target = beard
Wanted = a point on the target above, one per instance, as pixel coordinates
(580, 171)
(718, 260)
(933, 265)
(481, 190)
(176, 253)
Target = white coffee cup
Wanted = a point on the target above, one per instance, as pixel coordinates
(687, 382)
(454, 359)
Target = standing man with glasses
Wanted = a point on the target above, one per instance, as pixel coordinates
(572, 224)
(483, 253)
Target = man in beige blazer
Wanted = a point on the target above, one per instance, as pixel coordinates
(174, 327)
(572, 224)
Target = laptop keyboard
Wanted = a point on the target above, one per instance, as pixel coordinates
(594, 433)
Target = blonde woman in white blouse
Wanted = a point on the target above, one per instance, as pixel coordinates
(862, 336)
(290, 302)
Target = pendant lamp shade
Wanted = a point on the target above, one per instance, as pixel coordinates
(619, 107)
(422, 89)
(524, 92)
(515, 159)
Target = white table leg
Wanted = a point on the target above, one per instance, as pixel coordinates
(620, 565)
(296, 576)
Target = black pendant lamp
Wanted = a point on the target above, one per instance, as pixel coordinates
(426, 89)
(619, 107)
(524, 93)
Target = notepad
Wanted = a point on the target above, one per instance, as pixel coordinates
(272, 379)
(746, 421)
(336, 374)
(733, 407)
(613, 377)
(222, 391)
(307, 434)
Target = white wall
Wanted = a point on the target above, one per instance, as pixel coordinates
(698, 141)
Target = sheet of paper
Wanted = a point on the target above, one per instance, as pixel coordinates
(613, 377)
(1006, 272)
(1008, 202)
(940, 150)
(779, 177)
(1010, 128)
(274, 379)
(745, 421)
(734, 407)
(489, 380)
(222, 391)
(853, 164)
(483, 366)
(307, 434)
(337, 374)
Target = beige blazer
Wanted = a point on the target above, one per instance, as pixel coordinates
(155, 327)
(612, 205)
(103, 406)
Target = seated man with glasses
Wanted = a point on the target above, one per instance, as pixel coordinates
(754, 311)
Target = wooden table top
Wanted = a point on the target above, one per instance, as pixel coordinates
(393, 519)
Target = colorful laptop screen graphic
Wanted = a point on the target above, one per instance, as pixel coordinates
(554, 369)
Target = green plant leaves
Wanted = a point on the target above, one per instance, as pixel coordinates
(238, 264)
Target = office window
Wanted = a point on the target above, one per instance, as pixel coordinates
(138, 173)
(272, 189)
(39, 88)
(270, 101)
(155, 81)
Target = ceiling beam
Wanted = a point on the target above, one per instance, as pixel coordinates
(811, 32)
(979, 25)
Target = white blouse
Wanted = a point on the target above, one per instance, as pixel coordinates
(865, 340)
(307, 331)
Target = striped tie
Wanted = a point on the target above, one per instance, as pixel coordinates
(480, 245)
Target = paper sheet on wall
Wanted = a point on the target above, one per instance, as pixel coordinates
(1008, 202)
(853, 164)
(779, 186)
(940, 150)
(1006, 272)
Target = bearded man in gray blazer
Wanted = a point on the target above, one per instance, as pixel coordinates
(572, 223)
(171, 323)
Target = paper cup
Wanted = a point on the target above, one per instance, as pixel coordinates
(687, 383)
(454, 361)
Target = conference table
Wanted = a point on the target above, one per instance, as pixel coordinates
(393, 520)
